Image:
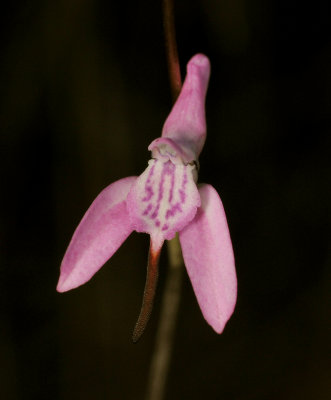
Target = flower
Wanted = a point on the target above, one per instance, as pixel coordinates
(162, 201)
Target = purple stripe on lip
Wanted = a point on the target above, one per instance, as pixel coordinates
(165, 192)
(173, 210)
(148, 209)
(148, 188)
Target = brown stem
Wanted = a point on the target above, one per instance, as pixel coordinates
(149, 293)
(171, 48)
(170, 303)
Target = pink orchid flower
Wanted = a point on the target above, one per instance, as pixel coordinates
(162, 201)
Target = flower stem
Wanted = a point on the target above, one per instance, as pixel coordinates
(165, 334)
(171, 48)
(149, 292)
(171, 296)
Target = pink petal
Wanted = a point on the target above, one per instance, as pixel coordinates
(163, 199)
(186, 123)
(100, 233)
(209, 260)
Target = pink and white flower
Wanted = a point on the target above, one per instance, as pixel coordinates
(163, 200)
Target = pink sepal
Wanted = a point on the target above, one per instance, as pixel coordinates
(103, 229)
(186, 123)
(209, 259)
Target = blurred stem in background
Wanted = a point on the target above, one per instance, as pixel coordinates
(170, 302)
(171, 48)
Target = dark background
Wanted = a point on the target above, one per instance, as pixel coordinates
(84, 90)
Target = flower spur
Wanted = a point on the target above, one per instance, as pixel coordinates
(162, 201)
